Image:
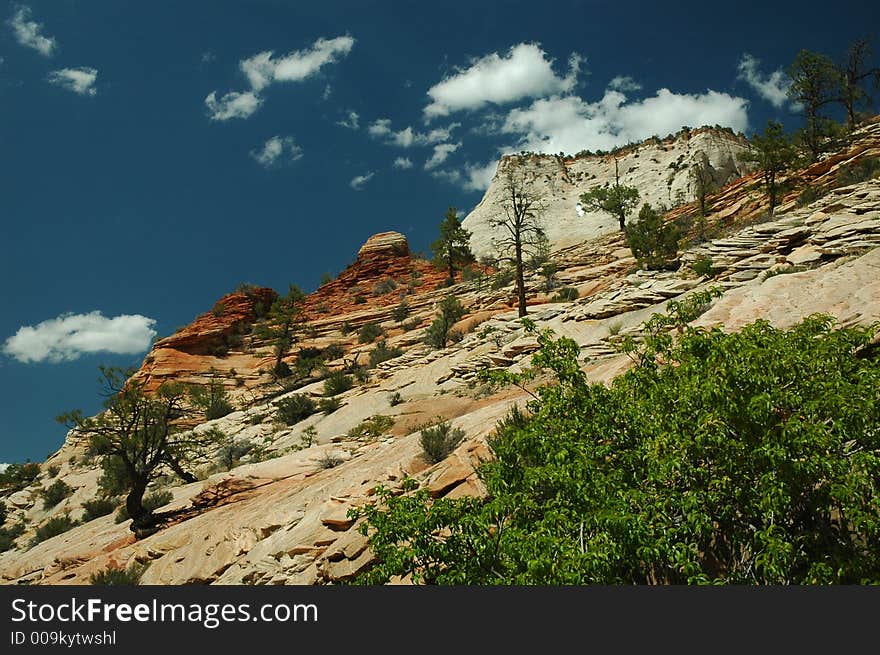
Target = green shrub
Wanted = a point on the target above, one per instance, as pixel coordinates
(336, 383)
(440, 332)
(703, 267)
(860, 171)
(808, 195)
(118, 576)
(371, 428)
(2, 512)
(346, 328)
(369, 332)
(329, 405)
(566, 294)
(294, 408)
(382, 353)
(332, 352)
(502, 279)
(395, 399)
(218, 309)
(52, 470)
(330, 460)
(719, 458)
(9, 535)
(411, 324)
(53, 527)
(359, 300)
(55, 493)
(97, 508)
(385, 286)
(18, 476)
(230, 454)
(652, 241)
(151, 503)
(439, 441)
(401, 312)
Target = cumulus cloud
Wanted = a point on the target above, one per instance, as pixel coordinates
(524, 72)
(441, 154)
(352, 121)
(402, 163)
(473, 177)
(70, 336)
(276, 150)
(3, 467)
(29, 33)
(772, 87)
(232, 105)
(264, 68)
(358, 181)
(624, 83)
(79, 80)
(408, 137)
(570, 124)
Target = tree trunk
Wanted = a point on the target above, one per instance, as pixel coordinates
(134, 505)
(451, 270)
(621, 219)
(520, 282)
(183, 474)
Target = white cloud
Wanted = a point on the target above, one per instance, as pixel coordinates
(358, 181)
(352, 121)
(208, 56)
(278, 149)
(79, 80)
(772, 87)
(3, 467)
(570, 124)
(328, 91)
(525, 72)
(624, 83)
(28, 33)
(408, 137)
(264, 68)
(441, 154)
(402, 163)
(69, 336)
(232, 105)
(474, 177)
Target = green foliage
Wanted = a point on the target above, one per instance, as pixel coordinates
(118, 576)
(774, 153)
(231, 453)
(395, 399)
(439, 441)
(9, 535)
(369, 332)
(332, 352)
(782, 270)
(652, 241)
(703, 267)
(808, 195)
(401, 312)
(211, 399)
(734, 458)
(18, 476)
(152, 502)
(411, 324)
(385, 286)
(540, 254)
(360, 300)
(55, 493)
(219, 309)
(337, 382)
(329, 405)
(439, 333)
(566, 294)
(53, 527)
(382, 353)
(502, 279)
(3, 512)
(279, 329)
(617, 200)
(859, 171)
(346, 328)
(815, 82)
(97, 508)
(294, 408)
(452, 251)
(52, 470)
(371, 428)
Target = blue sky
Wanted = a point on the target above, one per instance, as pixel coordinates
(155, 155)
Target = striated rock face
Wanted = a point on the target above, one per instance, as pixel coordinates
(660, 170)
(384, 244)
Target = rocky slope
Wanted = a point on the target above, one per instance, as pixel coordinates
(659, 169)
(280, 516)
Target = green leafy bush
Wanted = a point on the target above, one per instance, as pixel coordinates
(18, 476)
(382, 353)
(385, 286)
(119, 576)
(439, 441)
(401, 312)
(440, 332)
(9, 535)
(703, 267)
(294, 408)
(395, 399)
(337, 382)
(371, 428)
(566, 294)
(652, 241)
(96, 508)
(860, 171)
(230, 454)
(55, 493)
(53, 527)
(329, 405)
(369, 332)
(741, 458)
(411, 324)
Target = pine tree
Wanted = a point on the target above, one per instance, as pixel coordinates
(452, 250)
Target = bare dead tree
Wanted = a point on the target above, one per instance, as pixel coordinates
(520, 223)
